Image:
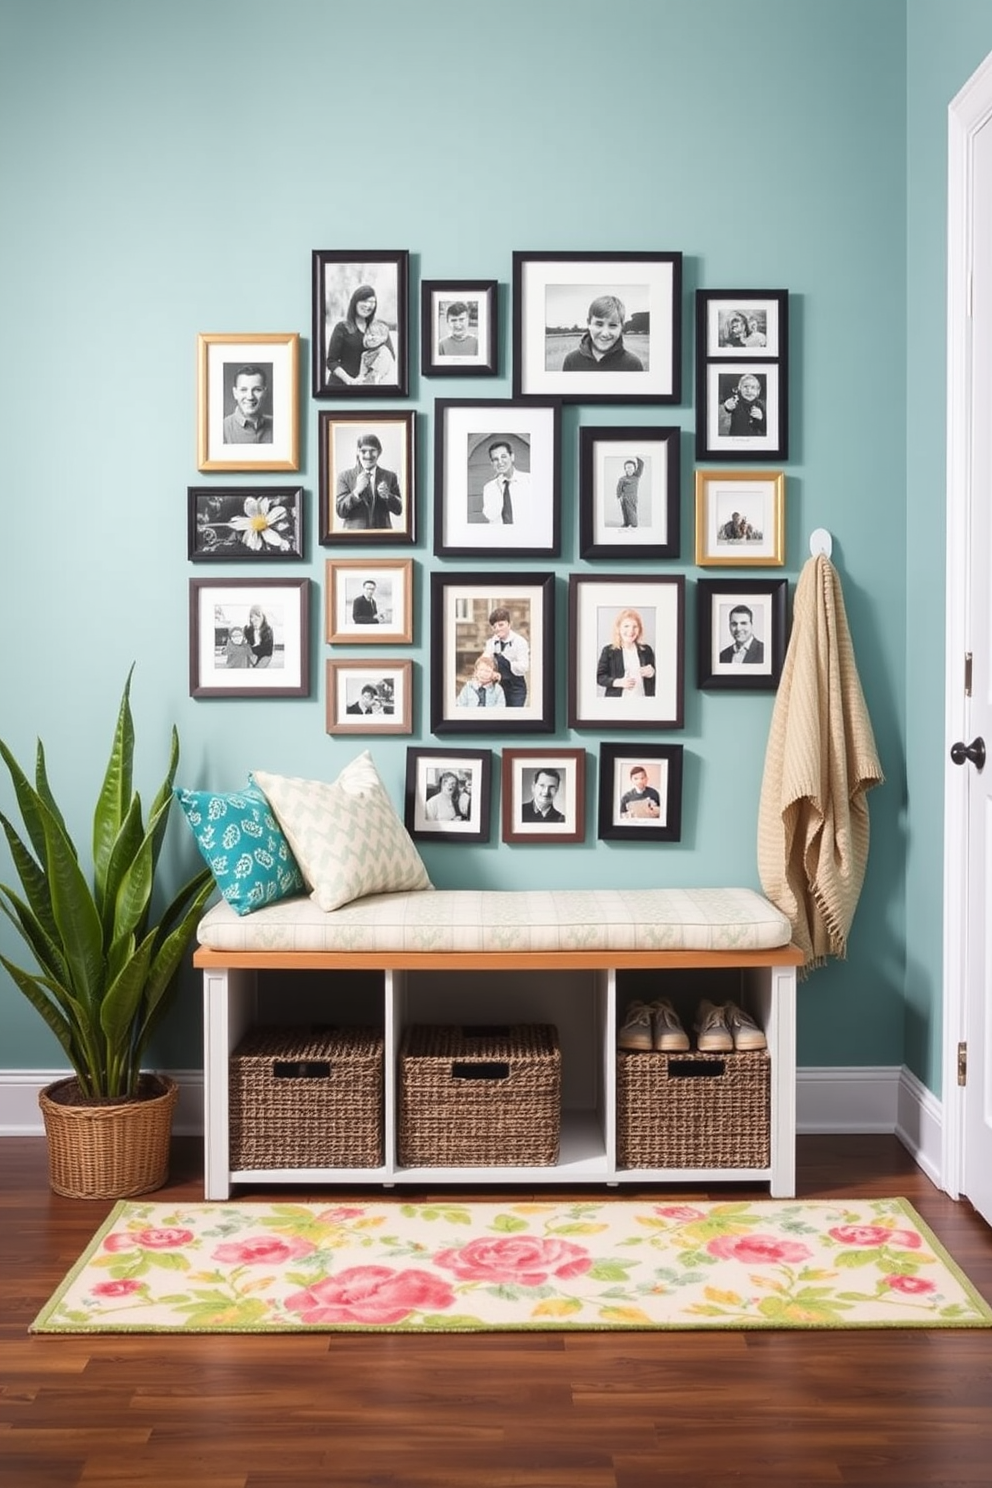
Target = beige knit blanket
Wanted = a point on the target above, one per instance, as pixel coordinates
(820, 763)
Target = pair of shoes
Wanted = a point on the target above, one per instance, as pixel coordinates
(652, 1026)
(722, 1027)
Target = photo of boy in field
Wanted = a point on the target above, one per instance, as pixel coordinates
(597, 328)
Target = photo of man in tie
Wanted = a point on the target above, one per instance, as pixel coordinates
(506, 499)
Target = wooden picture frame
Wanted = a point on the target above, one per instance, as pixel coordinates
(368, 601)
(343, 282)
(543, 795)
(602, 608)
(740, 518)
(369, 697)
(235, 524)
(248, 401)
(230, 618)
(464, 810)
(459, 327)
(464, 627)
(560, 298)
(640, 792)
(629, 489)
(746, 616)
(354, 448)
(479, 445)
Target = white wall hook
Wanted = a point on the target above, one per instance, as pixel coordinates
(820, 541)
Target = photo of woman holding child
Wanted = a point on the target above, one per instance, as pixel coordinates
(359, 315)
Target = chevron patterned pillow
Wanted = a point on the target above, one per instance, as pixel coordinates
(345, 835)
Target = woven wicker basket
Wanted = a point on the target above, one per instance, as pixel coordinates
(694, 1110)
(307, 1098)
(479, 1097)
(99, 1150)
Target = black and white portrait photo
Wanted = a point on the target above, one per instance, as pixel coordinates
(448, 794)
(741, 641)
(741, 323)
(248, 402)
(366, 472)
(497, 478)
(597, 327)
(249, 636)
(458, 326)
(629, 492)
(366, 697)
(543, 795)
(359, 324)
(369, 601)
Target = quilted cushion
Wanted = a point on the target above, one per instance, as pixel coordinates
(243, 846)
(346, 835)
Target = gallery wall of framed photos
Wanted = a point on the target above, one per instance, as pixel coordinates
(545, 611)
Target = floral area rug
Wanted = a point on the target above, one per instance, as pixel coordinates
(466, 1266)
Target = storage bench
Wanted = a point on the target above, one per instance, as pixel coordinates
(570, 958)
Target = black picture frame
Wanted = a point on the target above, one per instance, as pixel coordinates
(553, 296)
(628, 811)
(425, 770)
(626, 511)
(598, 695)
(461, 631)
(218, 664)
(237, 524)
(337, 277)
(716, 600)
(459, 307)
(734, 423)
(478, 442)
(341, 510)
(565, 771)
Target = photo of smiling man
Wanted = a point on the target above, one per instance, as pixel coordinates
(249, 423)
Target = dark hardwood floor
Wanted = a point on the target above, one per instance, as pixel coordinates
(589, 1410)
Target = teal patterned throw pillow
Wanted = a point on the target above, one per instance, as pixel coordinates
(243, 846)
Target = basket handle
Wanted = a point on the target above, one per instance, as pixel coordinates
(301, 1069)
(494, 1069)
(696, 1069)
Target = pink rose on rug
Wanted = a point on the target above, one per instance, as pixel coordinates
(262, 1250)
(912, 1286)
(370, 1294)
(523, 1259)
(338, 1216)
(116, 1288)
(679, 1211)
(865, 1235)
(171, 1238)
(755, 1250)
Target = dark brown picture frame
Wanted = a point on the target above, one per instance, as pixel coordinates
(521, 772)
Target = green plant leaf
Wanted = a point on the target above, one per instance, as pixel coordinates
(115, 793)
(74, 911)
(26, 796)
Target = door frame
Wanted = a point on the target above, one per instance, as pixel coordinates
(967, 113)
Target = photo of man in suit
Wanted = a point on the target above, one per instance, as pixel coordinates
(541, 807)
(746, 649)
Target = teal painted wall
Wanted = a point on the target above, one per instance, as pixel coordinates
(168, 171)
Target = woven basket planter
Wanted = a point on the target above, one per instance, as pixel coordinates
(480, 1097)
(108, 1149)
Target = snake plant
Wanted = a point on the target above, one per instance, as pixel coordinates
(104, 968)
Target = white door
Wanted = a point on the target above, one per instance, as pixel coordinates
(968, 824)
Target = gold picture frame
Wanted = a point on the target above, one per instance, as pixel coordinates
(232, 434)
(750, 501)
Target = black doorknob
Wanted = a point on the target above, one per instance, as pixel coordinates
(975, 751)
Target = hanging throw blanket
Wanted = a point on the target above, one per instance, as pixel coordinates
(819, 765)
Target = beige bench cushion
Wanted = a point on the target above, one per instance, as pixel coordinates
(501, 920)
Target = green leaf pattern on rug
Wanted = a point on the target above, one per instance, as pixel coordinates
(458, 1266)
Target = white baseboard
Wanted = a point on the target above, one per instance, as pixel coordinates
(828, 1101)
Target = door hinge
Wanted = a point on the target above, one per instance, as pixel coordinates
(962, 1064)
(967, 674)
